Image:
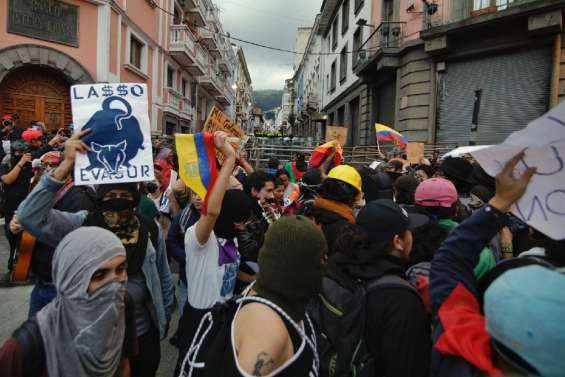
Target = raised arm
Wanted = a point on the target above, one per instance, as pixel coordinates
(206, 223)
(36, 213)
(9, 178)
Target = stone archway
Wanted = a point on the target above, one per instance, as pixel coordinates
(35, 82)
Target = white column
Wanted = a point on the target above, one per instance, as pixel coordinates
(103, 43)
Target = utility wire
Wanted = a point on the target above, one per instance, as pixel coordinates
(256, 44)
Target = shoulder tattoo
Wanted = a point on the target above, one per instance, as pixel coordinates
(263, 360)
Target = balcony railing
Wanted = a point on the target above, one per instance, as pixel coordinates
(186, 106)
(182, 43)
(389, 34)
(201, 57)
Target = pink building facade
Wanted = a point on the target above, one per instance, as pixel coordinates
(176, 47)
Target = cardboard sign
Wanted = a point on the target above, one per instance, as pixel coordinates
(336, 133)
(218, 121)
(543, 205)
(415, 152)
(120, 140)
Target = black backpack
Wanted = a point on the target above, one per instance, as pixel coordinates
(31, 342)
(210, 348)
(339, 316)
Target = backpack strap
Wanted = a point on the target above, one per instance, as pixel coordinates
(391, 281)
(33, 351)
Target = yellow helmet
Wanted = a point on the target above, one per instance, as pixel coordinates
(347, 174)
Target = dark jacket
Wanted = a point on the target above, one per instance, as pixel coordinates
(333, 217)
(397, 332)
(451, 277)
(175, 240)
(78, 198)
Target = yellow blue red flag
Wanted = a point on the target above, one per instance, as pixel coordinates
(197, 162)
(384, 133)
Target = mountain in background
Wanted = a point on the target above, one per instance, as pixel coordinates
(268, 99)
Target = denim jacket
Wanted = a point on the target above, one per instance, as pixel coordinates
(48, 225)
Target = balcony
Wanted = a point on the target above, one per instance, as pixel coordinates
(227, 97)
(200, 64)
(196, 11)
(223, 65)
(381, 49)
(182, 45)
(211, 83)
(208, 38)
(177, 104)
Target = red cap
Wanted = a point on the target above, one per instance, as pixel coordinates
(7, 117)
(436, 192)
(31, 134)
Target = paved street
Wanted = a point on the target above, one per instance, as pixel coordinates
(14, 303)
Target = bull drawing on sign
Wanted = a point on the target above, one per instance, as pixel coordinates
(116, 136)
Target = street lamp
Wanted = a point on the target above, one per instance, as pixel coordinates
(363, 23)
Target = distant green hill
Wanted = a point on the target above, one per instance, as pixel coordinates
(268, 99)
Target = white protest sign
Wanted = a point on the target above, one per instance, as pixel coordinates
(543, 205)
(120, 140)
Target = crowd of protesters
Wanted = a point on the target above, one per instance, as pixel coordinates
(388, 270)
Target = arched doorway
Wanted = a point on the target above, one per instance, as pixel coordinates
(36, 93)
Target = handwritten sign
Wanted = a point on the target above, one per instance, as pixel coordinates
(543, 205)
(336, 133)
(120, 138)
(218, 121)
(414, 152)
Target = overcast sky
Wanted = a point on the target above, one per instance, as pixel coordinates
(269, 22)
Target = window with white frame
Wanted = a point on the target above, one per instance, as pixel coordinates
(135, 52)
(170, 77)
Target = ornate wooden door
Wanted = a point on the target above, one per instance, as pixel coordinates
(36, 94)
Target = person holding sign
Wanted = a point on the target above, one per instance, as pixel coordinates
(511, 321)
(149, 283)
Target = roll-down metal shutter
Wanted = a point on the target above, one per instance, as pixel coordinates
(514, 91)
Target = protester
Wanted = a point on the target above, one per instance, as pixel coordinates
(89, 328)
(296, 168)
(212, 257)
(271, 334)
(149, 283)
(460, 172)
(69, 198)
(175, 242)
(404, 189)
(34, 138)
(291, 191)
(376, 184)
(386, 322)
(273, 166)
(146, 206)
(259, 186)
(437, 197)
(519, 328)
(334, 205)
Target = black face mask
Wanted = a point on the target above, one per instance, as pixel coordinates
(117, 204)
(152, 187)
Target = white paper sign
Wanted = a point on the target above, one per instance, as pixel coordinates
(543, 205)
(120, 140)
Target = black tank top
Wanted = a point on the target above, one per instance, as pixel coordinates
(302, 363)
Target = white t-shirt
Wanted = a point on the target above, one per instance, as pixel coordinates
(207, 281)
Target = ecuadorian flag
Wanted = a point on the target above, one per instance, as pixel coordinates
(385, 133)
(197, 163)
